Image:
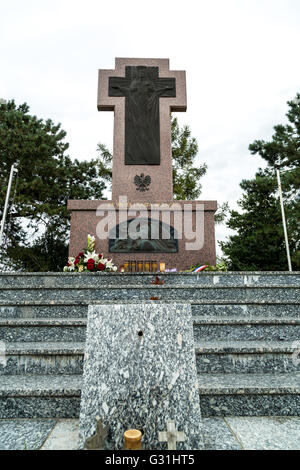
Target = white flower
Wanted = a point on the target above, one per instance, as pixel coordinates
(66, 268)
(91, 255)
(91, 242)
(114, 268)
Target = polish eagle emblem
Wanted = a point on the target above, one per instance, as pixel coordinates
(142, 182)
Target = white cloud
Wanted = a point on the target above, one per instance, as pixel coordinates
(241, 59)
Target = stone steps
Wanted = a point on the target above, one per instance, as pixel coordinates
(65, 358)
(40, 396)
(232, 394)
(42, 358)
(164, 293)
(74, 329)
(246, 328)
(238, 279)
(44, 396)
(64, 309)
(220, 328)
(229, 357)
(212, 328)
(46, 329)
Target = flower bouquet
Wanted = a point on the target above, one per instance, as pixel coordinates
(89, 261)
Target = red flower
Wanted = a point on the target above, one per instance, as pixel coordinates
(90, 264)
(101, 266)
(100, 256)
(80, 255)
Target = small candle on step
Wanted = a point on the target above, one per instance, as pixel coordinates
(132, 439)
(162, 267)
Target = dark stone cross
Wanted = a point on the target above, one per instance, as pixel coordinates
(142, 89)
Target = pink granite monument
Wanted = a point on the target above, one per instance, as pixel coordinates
(142, 222)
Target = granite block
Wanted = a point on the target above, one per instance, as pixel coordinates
(139, 372)
(217, 435)
(20, 434)
(64, 436)
(260, 433)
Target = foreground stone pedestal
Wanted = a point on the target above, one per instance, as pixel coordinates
(140, 372)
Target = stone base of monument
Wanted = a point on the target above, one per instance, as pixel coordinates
(140, 373)
(190, 224)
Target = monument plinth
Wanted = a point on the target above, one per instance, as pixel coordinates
(140, 373)
(142, 93)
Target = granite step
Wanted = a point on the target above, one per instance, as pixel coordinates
(165, 293)
(74, 329)
(246, 357)
(97, 280)
(41, 358)
(250, 394)
(241, 328)
(79, 308)
(270, 309)
(42, 329)
(220, 395)
(40, 396)
(211, 357)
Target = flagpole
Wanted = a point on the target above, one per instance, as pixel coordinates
(284, 222)
(12, 171)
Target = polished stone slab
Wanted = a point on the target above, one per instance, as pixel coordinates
(217, 435)
(260, 433)
(64, 436)
(139, 372)
(24, 434)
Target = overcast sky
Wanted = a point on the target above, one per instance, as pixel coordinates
(241, 58)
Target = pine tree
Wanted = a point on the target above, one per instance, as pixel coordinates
(37, 229)
(259, 243)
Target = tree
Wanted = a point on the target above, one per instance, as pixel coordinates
(186, 176)
(259, 243)
(37, 229)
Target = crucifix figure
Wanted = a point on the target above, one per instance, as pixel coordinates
(142, 93)
(171, 435)
(142, 89)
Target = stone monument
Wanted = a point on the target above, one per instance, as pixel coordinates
(140, 373)
(142, 93)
